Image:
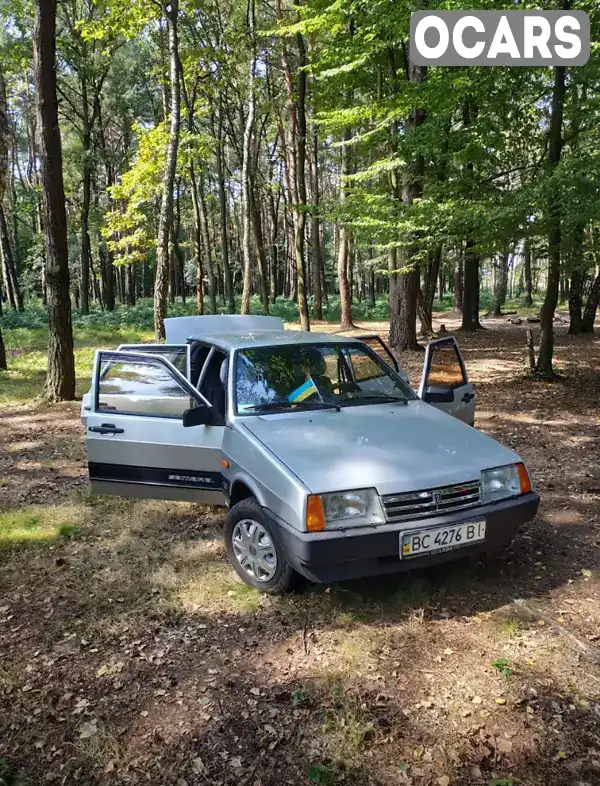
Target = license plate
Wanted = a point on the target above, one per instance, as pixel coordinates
(433, 541)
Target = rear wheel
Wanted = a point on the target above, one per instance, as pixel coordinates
(253, 551)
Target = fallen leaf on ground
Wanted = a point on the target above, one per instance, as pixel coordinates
(88, 729)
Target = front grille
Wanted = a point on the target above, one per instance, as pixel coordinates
(433, 502)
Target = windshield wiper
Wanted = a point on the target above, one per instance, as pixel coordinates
(269, 406)
(384, 397)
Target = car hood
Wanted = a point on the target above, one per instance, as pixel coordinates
(389, 447)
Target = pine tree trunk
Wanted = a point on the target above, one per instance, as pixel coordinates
(501, 286)
(130, 284)
(202, 217)
(223, 213)
(577, 280)
(589, 314)
(3, 365)
(296, 164)
(165, 220)
(425, 301)
(85, 202)
(60, 379)
(527, 275)
(246, 177)
(575, 303)
(544, 367)
(108, 269)
(470, 301)
(404, 286)
(261, 257)
(458, 284)
(11, 282)
(274, 267)
(343, 241)
(315, 229)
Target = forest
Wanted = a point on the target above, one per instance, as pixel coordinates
(222, 157)
(164, 158)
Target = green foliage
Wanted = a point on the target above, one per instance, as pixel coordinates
(8, 778)
(320, 774)
(131, 232)
(502, 666)
(299, 695)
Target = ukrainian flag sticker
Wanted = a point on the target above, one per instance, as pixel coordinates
(304, 391)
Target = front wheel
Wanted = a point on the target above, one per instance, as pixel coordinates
(253, 551)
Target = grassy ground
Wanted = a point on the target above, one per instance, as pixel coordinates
(129, 653)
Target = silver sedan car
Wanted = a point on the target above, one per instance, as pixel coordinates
(331, 466)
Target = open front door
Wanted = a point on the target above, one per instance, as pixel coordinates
(444, 383)
(136, 442)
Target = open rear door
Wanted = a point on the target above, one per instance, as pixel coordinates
(444, 383)
(137, 443)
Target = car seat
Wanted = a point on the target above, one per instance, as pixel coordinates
(213, 384)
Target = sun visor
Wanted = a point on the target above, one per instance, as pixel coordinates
(179, 330)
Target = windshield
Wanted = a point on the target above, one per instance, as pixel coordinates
(303, 376)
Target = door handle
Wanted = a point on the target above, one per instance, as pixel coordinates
(467, 397)
(106, 428)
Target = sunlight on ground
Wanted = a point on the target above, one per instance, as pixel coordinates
(40, 524)
(209, 588)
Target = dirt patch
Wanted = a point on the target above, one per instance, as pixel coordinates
(130, 654)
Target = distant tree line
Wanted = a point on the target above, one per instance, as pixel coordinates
(229, 149)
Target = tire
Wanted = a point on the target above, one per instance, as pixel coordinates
(267, 569)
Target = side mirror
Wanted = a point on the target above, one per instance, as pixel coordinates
(197, 416)
(435, 395)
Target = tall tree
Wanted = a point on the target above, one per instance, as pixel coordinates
(165, 220)
(4, 135)
(404, 285)
(555, 140)
(343, 255)
(246, 163)
(60, 379)
(9, 270)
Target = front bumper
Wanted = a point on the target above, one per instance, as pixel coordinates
(369, 551)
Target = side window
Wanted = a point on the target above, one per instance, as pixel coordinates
(369, 377)
(364, 367)
(137, 388)
(445, 369)
(379, 348)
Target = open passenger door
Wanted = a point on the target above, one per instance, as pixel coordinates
(445, 383)
(137, 440)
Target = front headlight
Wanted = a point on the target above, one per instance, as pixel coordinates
(352, 508)
(504, 482)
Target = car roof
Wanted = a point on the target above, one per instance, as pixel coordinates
(272, 338)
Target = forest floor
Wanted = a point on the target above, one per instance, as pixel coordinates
(130, 654)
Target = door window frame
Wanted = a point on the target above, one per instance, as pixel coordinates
(384, 346)
(429, 352)
(116, 356)
(155, 349)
